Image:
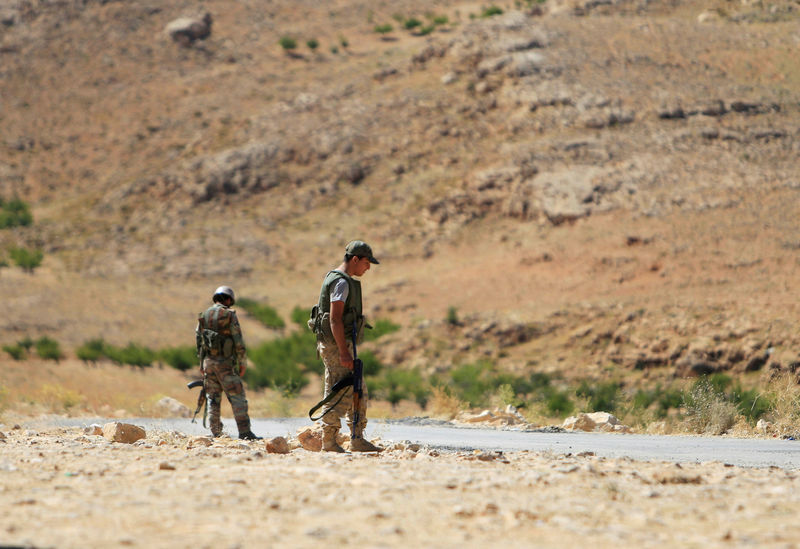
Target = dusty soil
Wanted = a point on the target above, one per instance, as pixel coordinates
(64, 488)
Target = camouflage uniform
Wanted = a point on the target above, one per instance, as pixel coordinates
(334, 371)
(221, 366)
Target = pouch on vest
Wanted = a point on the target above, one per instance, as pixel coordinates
(211, 341)
(313, 320)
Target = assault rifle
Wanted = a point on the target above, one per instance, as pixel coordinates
(358, 385)
(201, 400)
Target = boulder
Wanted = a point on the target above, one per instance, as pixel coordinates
(2, 436)
(602, 421)
(188, 29)
(170, 407)
(277, 445)
(310, 438)
(123, 432)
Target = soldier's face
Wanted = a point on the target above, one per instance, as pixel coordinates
(361, 266)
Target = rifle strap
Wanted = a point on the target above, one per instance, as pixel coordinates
(337, 389)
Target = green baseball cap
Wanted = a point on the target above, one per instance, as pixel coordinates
(361, 249)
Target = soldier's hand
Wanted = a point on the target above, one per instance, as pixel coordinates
(346, 360)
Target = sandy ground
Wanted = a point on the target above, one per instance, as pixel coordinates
(60, 487)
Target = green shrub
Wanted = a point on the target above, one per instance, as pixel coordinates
(440, 20)
(91, 350)
(426, 30)
(396, 385)
(180, 358)
(380, 329)
(26, 259)
(602, 397)
(17, 352)
(343, 42)
(452, 316)
(132, 354)
(491, 11)
(300, 317)
(558, 403)
(14, 213)
(751, 403)
(372, 366)
(411, 23)
(280, 364)
(287, 43)
(48, 349)
(661, 400)
(472, 382)
(265, 314)
(26, 343)
(384, 29)
(312, 44)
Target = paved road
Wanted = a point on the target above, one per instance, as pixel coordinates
(678, 449)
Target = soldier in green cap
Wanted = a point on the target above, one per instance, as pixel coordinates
(339, 310)
(223, 362)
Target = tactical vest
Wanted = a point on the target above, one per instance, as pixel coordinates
(214, 328)
(352, 307)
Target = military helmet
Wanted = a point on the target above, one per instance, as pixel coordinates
(225, 290)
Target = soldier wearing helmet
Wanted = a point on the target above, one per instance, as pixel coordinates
(223, 361)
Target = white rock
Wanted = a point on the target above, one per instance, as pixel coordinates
(763, 426)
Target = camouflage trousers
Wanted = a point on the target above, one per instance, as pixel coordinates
(334, 371)
(220, 377)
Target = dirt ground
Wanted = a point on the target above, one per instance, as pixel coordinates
(64, 488)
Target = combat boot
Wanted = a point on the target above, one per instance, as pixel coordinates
(360, 444)
(329, 443)
(249, 435)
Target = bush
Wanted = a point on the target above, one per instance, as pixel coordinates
(707, 409)
(312, 44)
(426, 30)
(452, 316)
(473, 382)
(380, 329)
(411, 23)
(300, 317)
(384, 29)
(14, 213)
(280, 364)
(48, 349)
(372, 366)
(440, 20)
(491, 11)
(602, 397)
(558, 403)
(287, 43)
(17, 352)
(26, 343)
(26, 259)
(91, 351)
(661, 400)
(132, 354)
(265, 314)
(343, 42)
(180, 358)
(396, 385)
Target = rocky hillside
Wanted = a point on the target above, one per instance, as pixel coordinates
(599, 188)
